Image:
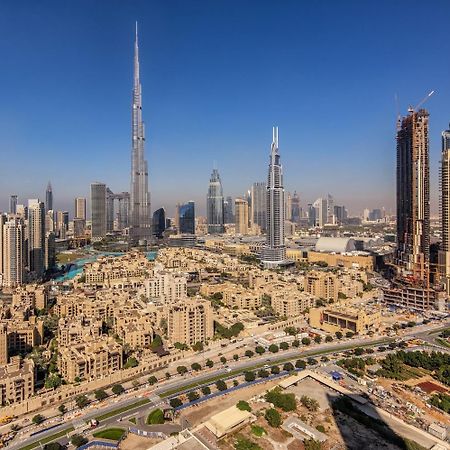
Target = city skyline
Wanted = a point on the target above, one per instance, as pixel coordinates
(183, 139)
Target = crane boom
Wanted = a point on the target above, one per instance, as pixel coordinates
(424, 100)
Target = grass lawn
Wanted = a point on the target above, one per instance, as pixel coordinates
(114, 412)
(156, 417)
(48, 439)
(114, 434)
(132, 420)
(258, 431)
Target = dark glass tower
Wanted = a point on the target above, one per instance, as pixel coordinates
(140, 219)
(215, 204)
(159, 222)
(49, 198)
(187, 218)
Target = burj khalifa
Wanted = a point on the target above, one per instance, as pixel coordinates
(140, 216)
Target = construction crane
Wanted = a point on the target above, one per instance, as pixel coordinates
(422, 101)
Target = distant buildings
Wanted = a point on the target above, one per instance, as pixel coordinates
(36, 237)
(98, 211)
(12, 251)
(215, 204)
(186, 218)
(80, 208)
(413, 195)
(228, 210)
(13, 204)
(241, 214)
(49, 197)
(259, 204)
(274, 252)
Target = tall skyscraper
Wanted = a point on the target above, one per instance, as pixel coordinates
(413, 195)
(98, 211)
(140, 216)
(13, 251)
(80, 208)
(187, 218)
(259, 204)
(110, 197)
(330, 209)
(214, 204)
(13, 204)
(36, 237)
(49, 197)
(62, 223)
(295, 208)
(274, 252)
(241, 214)
(444, 252)
(288, 207)
(321, 212)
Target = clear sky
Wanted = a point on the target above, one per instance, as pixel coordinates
(216, 75)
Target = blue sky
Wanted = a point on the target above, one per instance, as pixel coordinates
(216, 76)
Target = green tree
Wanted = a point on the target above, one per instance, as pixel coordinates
(152, 380)
(196, 366)
(273, 348)
(53, 381)
(306, 341)
(62, 408)
(175, 402)
(82, 401)
(312, 444)
(317, 339)
(38, 419)
(284, 401)
(157, 342)
(249, 376)
(300, 364)
(275, 370)
(223, 360)
(192, 396)
(260, 349)
(339, 335)
(181, 346)
(309, 403)
(349, 334)
(77, 440)
(263, 373)
(328, 338)
(273, 417)
(292, 331)
(206, 390)
(118, 389)
(296, 343)
(100, 394)
(284, 345)
(358, 351)
(197, 347)
(288, 367)
(243, 406)
(209, 363)
(249, 353)
(221, 385)
(182, 370)
(53, 446)
(235, 357)
(131, 362)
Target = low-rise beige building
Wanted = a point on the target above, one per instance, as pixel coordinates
(291, 304)
(16, 381)
(30, 296)
(344, 319)
(323, 285)
(90, 360)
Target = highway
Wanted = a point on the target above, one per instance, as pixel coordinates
(152, 393)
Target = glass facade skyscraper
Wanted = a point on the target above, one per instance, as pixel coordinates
(159, 222)
(274, 252)
(215, 204)
(259, 204)
(187, 218)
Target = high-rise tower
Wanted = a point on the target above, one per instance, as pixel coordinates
(259, 204)
(214, 204)
(140, 218)
(48, 197)
(413, 195)
(274, 252)
(444, 252)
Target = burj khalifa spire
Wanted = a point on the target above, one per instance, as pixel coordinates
(140, 218)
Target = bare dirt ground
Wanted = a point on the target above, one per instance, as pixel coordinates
(135, 442)
(202, 412)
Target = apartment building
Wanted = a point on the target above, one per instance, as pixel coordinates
(16, 381)
(291, 304)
